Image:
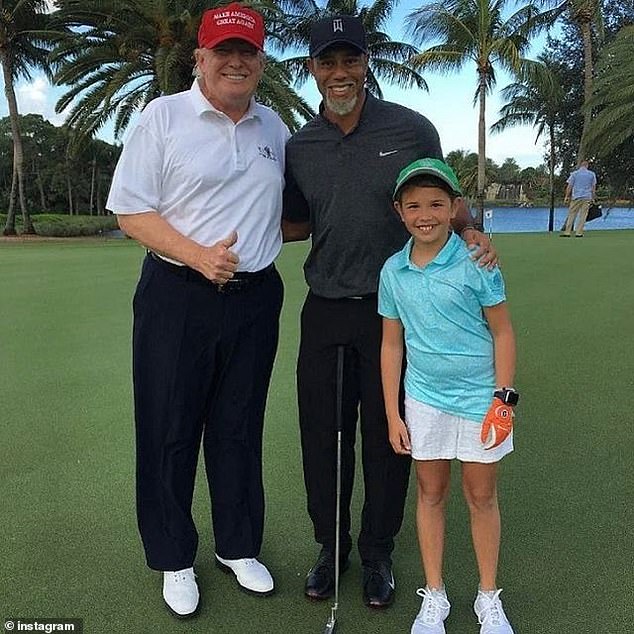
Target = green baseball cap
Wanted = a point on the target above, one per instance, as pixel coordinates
(431, 166)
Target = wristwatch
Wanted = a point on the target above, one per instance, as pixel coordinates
(508, 395)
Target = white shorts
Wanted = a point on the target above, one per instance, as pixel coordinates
(436, 435)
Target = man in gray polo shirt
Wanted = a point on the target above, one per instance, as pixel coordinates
(340, 174)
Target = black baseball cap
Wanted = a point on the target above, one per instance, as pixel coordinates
(337, 29)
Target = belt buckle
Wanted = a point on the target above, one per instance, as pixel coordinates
(232, 286)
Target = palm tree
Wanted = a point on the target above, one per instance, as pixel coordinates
(121, 55)
(465, 165)
(388, 58)
(535, 99)
(275, 90)
(124, 53)
(23, 37)
(586, 13)
(613, 98)
(587, 16)
(476, 31)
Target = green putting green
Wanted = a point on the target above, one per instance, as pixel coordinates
(69, 544)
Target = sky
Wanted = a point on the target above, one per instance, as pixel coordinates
(448, 105)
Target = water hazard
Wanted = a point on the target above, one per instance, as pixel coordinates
(519, 220)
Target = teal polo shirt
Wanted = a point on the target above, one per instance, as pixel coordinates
(449, 347)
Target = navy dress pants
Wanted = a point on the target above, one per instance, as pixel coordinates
(355, 323)
(202, 361)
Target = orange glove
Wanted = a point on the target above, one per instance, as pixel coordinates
(497, 424)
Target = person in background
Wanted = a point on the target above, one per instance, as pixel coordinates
(580, 190)
(450, 319)
(340, 171)
(199, 184)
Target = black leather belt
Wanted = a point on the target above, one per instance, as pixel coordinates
(241, 280)
(368, 296)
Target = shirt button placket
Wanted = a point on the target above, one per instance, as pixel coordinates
(238, 154)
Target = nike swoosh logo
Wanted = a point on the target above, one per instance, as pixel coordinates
(387, 153)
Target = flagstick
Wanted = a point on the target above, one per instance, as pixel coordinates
(488, 215)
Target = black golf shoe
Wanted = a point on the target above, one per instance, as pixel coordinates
(320, 581)
(378, 584)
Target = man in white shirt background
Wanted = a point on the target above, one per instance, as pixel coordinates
(580, 189)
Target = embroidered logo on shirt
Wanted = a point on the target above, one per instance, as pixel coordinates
(267, 152)
(388, 153)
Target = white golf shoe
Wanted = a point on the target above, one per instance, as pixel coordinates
(433, 612)
(180, 592)
(251, 575)
(491, 616)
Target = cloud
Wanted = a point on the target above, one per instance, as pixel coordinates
(32, 95)
(38, 97)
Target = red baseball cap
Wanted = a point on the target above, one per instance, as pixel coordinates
(229, 22)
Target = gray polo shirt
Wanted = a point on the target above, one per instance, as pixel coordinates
(343, 183)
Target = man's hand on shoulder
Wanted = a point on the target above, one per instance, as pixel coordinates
(483, 250)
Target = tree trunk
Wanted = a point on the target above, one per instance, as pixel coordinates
(18, 153)
(40, 186)
(551, 177)
(481, 153)
(92, 183)
(587, 85)
(100, 208)
(70, 194)
(9, 227)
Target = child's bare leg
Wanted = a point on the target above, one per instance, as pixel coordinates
(433, 490)
(480, 491)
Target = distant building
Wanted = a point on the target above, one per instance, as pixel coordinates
(512, 192)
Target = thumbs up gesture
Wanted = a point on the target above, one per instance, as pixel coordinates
(229, 241)
(218, 262)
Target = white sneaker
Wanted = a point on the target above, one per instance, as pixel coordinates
(180, 592)
(490, 612)
(433, 612)
(251, 575)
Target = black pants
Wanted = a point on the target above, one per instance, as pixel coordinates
(202, 361)
(355, 323)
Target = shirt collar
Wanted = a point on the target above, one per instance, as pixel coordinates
(442, 257)
(202, 104)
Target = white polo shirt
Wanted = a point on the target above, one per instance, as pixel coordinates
(206, 175)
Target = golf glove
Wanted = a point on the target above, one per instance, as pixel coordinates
(497, 424)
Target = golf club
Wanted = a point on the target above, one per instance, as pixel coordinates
(331, 625)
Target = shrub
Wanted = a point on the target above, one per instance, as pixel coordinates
(63, 226)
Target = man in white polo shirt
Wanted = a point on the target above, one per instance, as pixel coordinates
(199, 184)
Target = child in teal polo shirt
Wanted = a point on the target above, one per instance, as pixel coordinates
(451, 317)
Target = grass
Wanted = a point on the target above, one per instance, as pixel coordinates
(70, 546)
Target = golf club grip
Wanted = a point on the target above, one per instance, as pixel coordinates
(339, 414)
